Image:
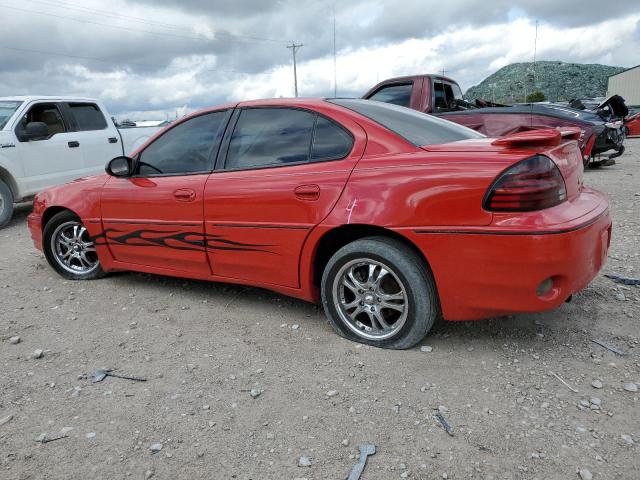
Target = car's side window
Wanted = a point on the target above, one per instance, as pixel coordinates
(87, 116)
(266, 137)
(330, 141)
(398, 94)
(186, 148)
(46, 113)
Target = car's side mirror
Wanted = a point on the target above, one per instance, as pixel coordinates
(35, 131)
(120, 167)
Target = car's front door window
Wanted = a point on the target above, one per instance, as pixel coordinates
(47, 113)
(186, 148)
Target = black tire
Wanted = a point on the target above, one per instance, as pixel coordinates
(6, 204)
(410, 274)
(49, 230)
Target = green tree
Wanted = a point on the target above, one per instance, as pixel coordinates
(536, 96)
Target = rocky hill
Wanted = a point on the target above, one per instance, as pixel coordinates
(559, 81)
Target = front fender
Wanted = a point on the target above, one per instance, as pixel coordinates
(82, 196)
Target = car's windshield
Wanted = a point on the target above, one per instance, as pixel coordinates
(6, 110)
(418, 128)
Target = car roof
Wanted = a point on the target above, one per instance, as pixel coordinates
(408, 78)
(56, 98)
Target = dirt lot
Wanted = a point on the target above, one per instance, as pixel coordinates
(203, 346)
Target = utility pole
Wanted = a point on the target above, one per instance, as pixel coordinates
(443, 72)
(294, 48)
(335, 70)
(535, 51)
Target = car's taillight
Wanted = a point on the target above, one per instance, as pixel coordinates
(533, 184)
(589, 146)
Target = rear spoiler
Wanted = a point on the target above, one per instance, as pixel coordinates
(548, 137)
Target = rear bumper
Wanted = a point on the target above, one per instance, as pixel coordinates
(34, 222)
(497, 272)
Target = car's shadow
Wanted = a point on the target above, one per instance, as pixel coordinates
(525, 330)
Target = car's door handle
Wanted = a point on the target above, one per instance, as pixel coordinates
(307, 192)
(184, 195)
(113, 140)
(74, 144)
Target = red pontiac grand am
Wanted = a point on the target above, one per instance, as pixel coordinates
(389, 216)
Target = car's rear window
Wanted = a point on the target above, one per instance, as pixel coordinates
(418, 128)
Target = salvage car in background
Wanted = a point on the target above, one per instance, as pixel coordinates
(632, 124)
(441, 96)
(389, 216)
(46, 141)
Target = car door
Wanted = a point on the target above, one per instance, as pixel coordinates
(281, 171)
(98, 138)
(52, 160)
(154, 218)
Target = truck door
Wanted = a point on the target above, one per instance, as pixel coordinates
(52, 160)
(98, 138)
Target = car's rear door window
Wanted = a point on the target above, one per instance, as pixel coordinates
(189, 147)
(397, 94)
(87, 116)
(265, 137)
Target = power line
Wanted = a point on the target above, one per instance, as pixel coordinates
(79, 57)
(294, 48)
(150, 32)
(95, 11)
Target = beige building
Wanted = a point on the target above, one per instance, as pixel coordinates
(627, 85)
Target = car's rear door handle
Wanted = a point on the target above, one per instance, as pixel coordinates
(307, 192)
(113, 140)
(73, 144)
(184, 195)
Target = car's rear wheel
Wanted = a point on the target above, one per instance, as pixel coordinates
(6, 204)
(378, 291)
(69, 248)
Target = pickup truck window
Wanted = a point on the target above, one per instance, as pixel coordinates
(397, 94)
(417, 128)
(88, 116)
(186, 148)
(7, 109)
(47, 113)
(446, 96)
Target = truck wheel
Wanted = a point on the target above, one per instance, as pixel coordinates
(6, 204)
(69, 248)
(378, 291)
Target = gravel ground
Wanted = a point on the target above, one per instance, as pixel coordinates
(205, 346)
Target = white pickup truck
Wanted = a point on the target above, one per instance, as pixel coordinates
(47, 141)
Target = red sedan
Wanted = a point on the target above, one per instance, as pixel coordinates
(389, 216)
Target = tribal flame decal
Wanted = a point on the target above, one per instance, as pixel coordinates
(194, 241)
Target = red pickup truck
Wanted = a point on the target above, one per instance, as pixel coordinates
(441, 96)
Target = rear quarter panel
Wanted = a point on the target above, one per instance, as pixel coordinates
(419, 189)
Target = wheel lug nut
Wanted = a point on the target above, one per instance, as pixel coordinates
(373, 309)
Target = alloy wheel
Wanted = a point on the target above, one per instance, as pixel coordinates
(73, 248)
(370, 299)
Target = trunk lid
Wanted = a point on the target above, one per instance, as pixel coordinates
(560, 145)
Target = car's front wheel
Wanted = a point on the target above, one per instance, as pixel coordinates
(378, 291)
(69, 248)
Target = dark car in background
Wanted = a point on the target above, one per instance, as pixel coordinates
(441, 96)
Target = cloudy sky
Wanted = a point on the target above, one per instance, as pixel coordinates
(146, 58)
